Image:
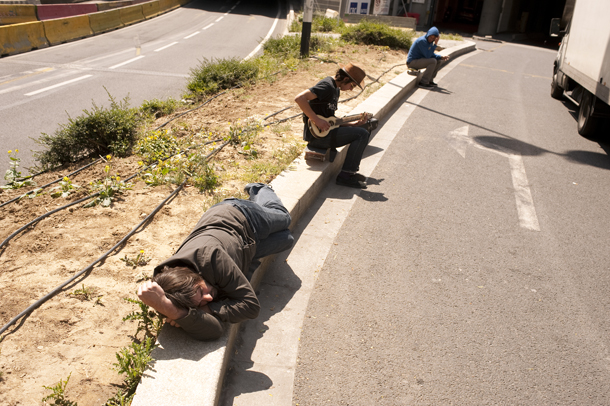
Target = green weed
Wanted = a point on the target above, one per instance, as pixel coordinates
(13, 173)
(148, 320)
(156, 146)
(132, 361)
(139, 260)
(58, 397)
(109, 188)
(98, 131)
(320, 23)
(451, 36)
(65, 188)
(84, 293)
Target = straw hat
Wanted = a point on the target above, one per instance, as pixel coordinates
(355, 73)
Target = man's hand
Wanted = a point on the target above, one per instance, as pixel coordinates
(321, 124)
(436, 40)
(445, 58)
(175, 324)
(151, 294)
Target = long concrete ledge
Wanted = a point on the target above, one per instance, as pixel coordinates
(192, 371)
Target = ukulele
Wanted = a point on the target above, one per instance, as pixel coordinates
(334, 122)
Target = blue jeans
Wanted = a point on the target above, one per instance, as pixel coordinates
(268, 218)
(356, 137)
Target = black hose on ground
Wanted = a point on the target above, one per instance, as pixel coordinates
(89, 267)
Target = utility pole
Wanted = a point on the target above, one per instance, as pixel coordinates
(306, 32)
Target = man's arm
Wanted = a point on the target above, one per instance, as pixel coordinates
(302, 101)
(151, 294)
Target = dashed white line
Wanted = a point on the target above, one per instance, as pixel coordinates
(207, 26)
(126, 62)
(67, 82)
(219, 18)
(165, 47)
(192, 35)
(523, 195)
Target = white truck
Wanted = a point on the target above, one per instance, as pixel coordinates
(582, 67)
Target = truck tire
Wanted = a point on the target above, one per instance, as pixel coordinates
(556, 90)
(587, 124)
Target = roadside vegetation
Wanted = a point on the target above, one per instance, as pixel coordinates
(179, 154)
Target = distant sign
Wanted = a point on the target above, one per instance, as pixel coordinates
(353, 7)
(364, 8)
(382, 7)
(418, 1)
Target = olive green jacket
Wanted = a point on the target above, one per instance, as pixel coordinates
(220, 249)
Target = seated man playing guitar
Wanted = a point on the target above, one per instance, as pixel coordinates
(321, 101)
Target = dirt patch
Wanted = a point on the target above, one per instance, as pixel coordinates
(71, 335)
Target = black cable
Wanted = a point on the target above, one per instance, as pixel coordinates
(52, 293)
(40, 301)
(37, 219)
(48, 184)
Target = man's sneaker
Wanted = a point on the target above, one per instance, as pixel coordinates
(352, 181)
(372, 124)
(426, 85)
(433, 84)
(359, 177)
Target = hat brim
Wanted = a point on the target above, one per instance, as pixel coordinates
(342, 67)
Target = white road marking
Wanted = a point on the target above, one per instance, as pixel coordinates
(207, 26)
(67, 82)
(219, 18)
(192, 35)
(165, 47)
(126, 62)
(526, 210)
(523, 195)
(277, 17)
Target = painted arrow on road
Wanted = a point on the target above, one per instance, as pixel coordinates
(460, 140)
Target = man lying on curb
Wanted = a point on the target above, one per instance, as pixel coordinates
(204, 283)
(421, 56)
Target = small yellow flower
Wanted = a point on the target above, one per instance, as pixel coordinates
(140, 163)
(10, 151)
(118, 178)
(66, 179)
(107, 169)
(108, 157)
(16, 151)
(141, 251)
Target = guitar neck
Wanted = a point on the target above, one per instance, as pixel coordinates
(347, 119)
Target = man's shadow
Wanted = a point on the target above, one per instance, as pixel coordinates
(277, 288)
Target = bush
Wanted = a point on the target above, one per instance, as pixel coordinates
(213, 76)
(158, 108)
(290, 46)
(99, 131)
(320, 23)
(369, 32)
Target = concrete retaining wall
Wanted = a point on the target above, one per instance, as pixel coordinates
(104, 21)
(51, 11)
(17, 13)
(18, 38)
(67, 29)
(151, 9)
(131, 14)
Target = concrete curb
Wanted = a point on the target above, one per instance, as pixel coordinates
(193, 371)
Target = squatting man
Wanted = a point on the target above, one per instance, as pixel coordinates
(204, 283)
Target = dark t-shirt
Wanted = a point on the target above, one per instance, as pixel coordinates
(327, 97)
(325, 104)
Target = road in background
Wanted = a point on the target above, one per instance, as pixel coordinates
(145, 61)
(473, 270)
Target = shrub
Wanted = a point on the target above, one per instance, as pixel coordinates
(290, 46)
(320, 23)
(369, 32)
(158, 108)
(212, 76)
(99, 131)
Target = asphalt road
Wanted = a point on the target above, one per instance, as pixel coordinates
(148, 60)
(474, 270)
